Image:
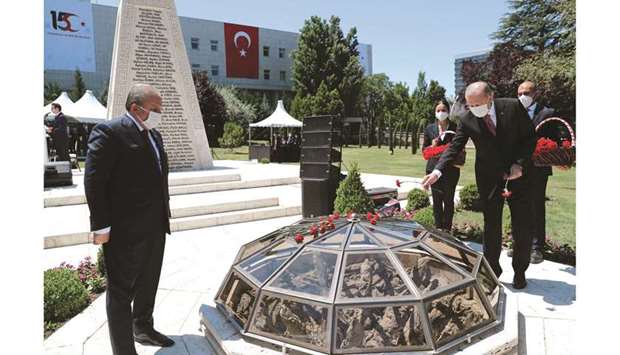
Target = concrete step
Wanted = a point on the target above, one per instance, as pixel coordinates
(182, 214)
(183, 189)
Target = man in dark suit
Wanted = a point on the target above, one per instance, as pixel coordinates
(505, 140)
(59, 134)
(126, 184)
(528, 96)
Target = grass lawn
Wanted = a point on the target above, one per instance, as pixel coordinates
(560, 189)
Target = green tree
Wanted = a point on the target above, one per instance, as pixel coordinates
(212, 106)
(325, 55)
(372, 103)
(421, 108)
(233, 136)
(327, 102)
(535, 25)
(236, 110)
(351, 195)
(79, 88)
(51, 91)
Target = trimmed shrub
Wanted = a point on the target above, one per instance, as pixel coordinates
(417, 199)
(469, 198)
(351, 195)
(233, 136)
(100, 262)
(425, 217)
(63, 294)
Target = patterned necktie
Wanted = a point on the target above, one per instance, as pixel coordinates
(490, 124)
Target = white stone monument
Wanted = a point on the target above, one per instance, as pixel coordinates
(149, 48)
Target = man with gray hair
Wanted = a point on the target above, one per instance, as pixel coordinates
(126, 184)
(505, 140)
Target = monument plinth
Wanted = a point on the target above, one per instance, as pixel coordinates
(149, 48)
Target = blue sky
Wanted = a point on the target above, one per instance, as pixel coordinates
(406, 36)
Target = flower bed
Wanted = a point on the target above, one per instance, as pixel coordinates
(68, 290)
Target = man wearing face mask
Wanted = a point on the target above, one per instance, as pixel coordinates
(505, 140)
(126, 184)
(527, 94)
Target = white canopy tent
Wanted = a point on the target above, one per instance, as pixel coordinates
(63, 100)
(86, 110)
(278, 119)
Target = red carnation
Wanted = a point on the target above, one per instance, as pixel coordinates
(373, 221)
(299, 238)
(336, 215)
(397, 183)
(369, 216)
(566, 144)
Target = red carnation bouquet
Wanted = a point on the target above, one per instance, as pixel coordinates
(434, 151)
(551, 153)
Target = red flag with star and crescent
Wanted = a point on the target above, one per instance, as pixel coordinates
(241, 51)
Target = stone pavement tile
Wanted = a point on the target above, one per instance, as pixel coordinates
(559, 336)
(534, 336)
(80, 327)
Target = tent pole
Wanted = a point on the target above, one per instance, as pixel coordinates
(271, 136)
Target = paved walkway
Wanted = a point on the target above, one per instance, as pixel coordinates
(196, 262)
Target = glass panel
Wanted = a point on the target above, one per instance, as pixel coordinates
(412, 229)
(378, 327)
(464, 258)
(389, 240)
(371, 275)
(427, 272)
(295, 320)
(359, 239)
(456, 313)
(262, 265)
(311, 272)
(488, 285)
(256, 245)
(238, 298)
(333, 241)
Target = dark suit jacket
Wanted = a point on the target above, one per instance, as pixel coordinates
(124, 188)
(514, 143)
(540, 114)
(431, 132)
(59, 128)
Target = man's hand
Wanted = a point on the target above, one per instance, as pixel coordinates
(516, 171)
(429, 180)
(435, 142)
(564, 167)
(100, 238)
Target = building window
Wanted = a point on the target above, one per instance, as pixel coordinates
(213, 46)
(215, 70)
(195, 43)
(282, 75)
(195, 66)
(281, 52)
(266, 51)
(266, 74)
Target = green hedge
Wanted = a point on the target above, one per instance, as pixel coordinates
(63, 294)
(425, 217)
(469, 198)
(417, 199)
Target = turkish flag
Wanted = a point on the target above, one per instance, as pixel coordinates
(241, 51)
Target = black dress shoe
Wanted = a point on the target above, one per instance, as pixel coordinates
(536, 257)
(153, 338)
(519, 282)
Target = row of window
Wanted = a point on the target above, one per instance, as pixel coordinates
(215, 71)
(214, 43)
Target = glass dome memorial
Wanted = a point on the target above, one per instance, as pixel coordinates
(351, 286)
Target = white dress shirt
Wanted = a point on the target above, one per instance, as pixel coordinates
(531, 109)
(140, 128)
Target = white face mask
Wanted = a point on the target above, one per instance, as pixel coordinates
(152, 120)
(441, 115)
(526, 101)
(480, 111)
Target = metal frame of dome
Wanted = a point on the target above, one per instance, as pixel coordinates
(251, 281)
